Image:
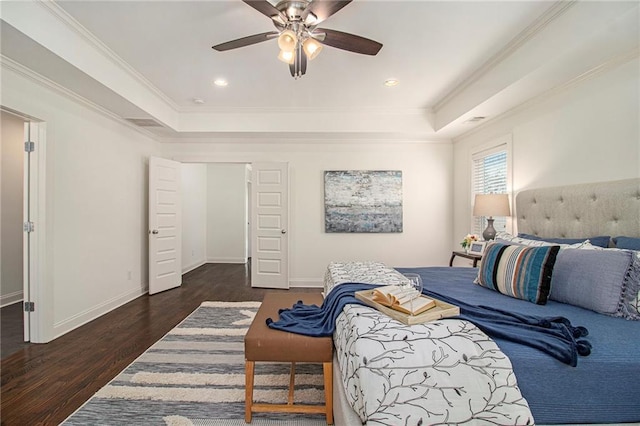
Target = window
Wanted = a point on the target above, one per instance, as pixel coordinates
(489, 174)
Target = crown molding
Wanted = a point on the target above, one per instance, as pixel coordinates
(63, 16)
(311, 139)
(421, 112)
(558, 9)
(29, 74)
(594, 72)
(294, 144)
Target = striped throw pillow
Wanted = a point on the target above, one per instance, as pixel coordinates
(518, 271)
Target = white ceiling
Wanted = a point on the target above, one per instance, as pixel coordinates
(454, 60)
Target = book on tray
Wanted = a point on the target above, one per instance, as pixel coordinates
(403, 299)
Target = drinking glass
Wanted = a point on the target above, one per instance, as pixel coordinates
(415, 282)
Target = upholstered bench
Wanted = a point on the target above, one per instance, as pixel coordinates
(262, 343)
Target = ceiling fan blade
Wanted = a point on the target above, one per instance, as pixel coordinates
(322, 9)
(264, 7)
(346, 41)
(246, 41)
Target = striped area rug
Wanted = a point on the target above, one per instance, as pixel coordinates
(194, 375)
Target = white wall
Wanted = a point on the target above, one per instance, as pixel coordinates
(96, 186)
(427, 197)
(12, 165)
(586, 133)
(194, 215)
(96, 206)
(226, 213)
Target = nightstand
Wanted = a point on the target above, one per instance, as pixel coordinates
(474, 257)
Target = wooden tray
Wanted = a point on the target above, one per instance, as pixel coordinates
(441, 310)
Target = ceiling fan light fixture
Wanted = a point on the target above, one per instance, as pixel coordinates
(287, 41)
(287, 57)
(312, 48)
(296, 23)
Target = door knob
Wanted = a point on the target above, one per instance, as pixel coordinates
(154, 232)
(283, 231)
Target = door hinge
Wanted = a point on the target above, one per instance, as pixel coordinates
(29, 146)
(28, 227)
(29, 306)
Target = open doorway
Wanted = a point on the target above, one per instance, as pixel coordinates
(11, 232)
(21, 207)
(214, 218)
(245, 220)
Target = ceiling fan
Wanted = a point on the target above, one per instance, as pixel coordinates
(298, 36)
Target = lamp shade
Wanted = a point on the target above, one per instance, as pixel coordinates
(287, 41)
(311, 48)
(491, 205)
(287, 57)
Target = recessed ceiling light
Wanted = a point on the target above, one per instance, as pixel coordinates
(220, 82)
(390, 82)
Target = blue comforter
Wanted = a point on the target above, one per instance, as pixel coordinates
(603, 388)
(554, 336)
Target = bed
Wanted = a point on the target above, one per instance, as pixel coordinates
(388, 373)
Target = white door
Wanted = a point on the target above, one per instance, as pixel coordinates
(165, 225)
(35, 314)
(269, 225)
(33, 236)
(248, 250)
(27, 239)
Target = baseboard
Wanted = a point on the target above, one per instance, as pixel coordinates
(227, 260)
(306, 282)
(193, 266)
(11, 298)
(90, 314)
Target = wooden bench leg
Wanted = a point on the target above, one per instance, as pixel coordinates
(248, 397)
(327, 368)
(292, 382)
(290, 407)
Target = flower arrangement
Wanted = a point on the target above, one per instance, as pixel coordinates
(466, 242)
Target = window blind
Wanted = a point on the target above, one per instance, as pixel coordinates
(489, 175)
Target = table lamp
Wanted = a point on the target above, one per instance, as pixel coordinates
(490, 205)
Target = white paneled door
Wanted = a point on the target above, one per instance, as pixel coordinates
(269, 225)
(165, 225)
(30, 202)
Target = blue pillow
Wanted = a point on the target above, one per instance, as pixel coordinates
(602, 241)
(518, 271)
(604, 281)
(628, 243)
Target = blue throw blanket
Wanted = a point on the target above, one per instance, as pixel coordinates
(554, 336)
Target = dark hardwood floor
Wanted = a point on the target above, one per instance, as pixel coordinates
(42, 384)
(11, 330)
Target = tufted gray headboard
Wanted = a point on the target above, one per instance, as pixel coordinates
(585, 210)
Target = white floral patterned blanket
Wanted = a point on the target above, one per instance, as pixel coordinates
(442, 372)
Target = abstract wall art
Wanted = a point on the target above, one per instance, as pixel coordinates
(362, 201)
